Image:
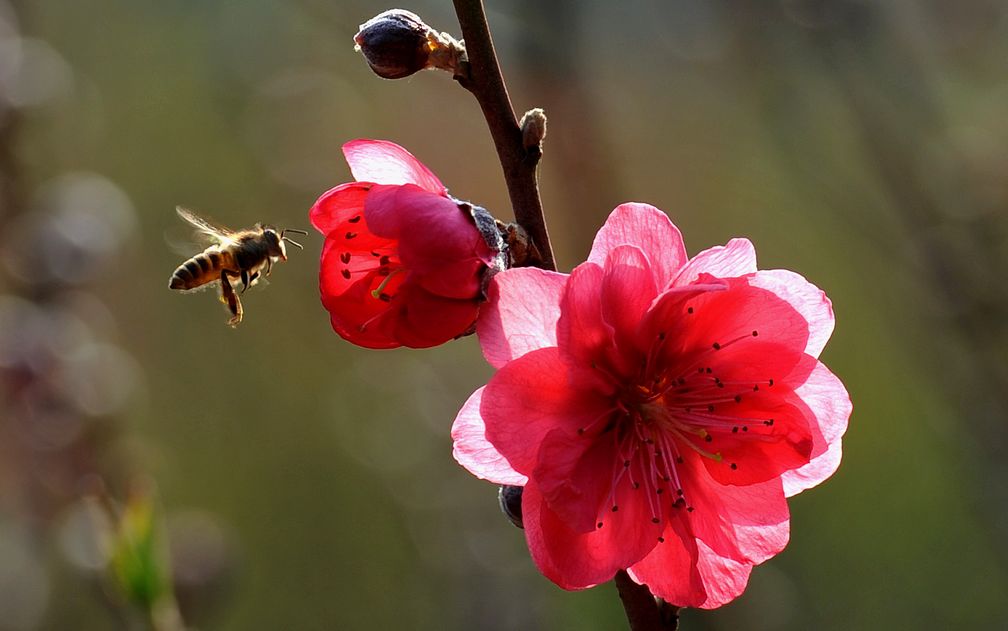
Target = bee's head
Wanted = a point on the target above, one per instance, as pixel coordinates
(274, 243)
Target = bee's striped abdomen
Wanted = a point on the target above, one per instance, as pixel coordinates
(201, 269)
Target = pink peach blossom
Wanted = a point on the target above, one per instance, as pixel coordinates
(403, 262)
(657, 409)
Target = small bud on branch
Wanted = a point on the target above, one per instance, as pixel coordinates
(398, 43)
(533, 128)
(510, 499)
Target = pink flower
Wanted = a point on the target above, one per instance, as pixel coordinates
(403, 263)
(657, 410)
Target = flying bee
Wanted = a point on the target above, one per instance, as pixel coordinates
(235, 255)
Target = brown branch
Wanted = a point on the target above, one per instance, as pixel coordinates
(643, 611)
(482, 76)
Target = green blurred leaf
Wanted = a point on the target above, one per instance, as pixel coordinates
(139, 564)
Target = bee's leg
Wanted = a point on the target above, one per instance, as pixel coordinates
(230, 298)
(269, 266)
(248, 280)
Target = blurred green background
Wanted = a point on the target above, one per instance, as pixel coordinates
(307, 484)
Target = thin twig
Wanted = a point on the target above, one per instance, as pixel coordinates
(643, 611)
(485, 81)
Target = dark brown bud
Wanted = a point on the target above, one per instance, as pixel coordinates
(510, 499)
(396, 43)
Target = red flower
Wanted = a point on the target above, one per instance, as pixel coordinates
(403, 263)
(657, 410)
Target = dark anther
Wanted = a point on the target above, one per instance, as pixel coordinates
(738, 398)
(679, 460)
(384, 297)
(734, 466)
(708, 370)
(615, 508)
(351, 235)
(345, 257)
(346, 273)
(745, 428)
(710, 408)
(354, 219)
(598, 525)
(734, 430)
(755, 388)
(716, 346)
(771, 382)
(689, 509)
(755, 333)
(658, 491)
(384, 260)
(708, 438)
(689, 310)
(626, 463)
(655, 520)
(661, 336)
(661, 539)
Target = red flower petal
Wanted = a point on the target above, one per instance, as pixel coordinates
(521, 313)
(424, 319)
(628, 288)
(473, 451)
(827, 400)
(708, 581)
(647, 228)
(671, 570)
(743, 314)
(744, 523)
(337, 206)
(582, 333)
(735, 258)
(346, 293)
(384, 162)
(807, 299)
(531, 396)
(576, 560)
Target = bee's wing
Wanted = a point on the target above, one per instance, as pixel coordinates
(217, 233)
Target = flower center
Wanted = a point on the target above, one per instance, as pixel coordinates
(671, 410)
(378, 291)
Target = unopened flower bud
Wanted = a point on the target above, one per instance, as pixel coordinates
(396, 43)
(533, 128)
(510, 498)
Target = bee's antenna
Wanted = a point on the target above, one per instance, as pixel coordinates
(292, 241)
